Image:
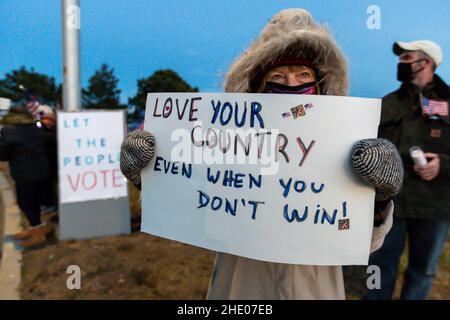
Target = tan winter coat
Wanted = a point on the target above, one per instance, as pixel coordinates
(290, 33)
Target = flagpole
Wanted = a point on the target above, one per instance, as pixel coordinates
(70, 10)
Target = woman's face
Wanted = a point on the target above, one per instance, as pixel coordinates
(291, 75)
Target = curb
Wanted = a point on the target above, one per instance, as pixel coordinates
(11, 263)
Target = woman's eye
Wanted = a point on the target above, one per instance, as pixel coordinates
(276, 77)
(306, 75)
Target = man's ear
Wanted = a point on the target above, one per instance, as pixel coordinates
(430, 63)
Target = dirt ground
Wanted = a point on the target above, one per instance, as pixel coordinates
(137, 266)
(129, 267)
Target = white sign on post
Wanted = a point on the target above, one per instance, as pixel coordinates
(89, 156)
(262, 176)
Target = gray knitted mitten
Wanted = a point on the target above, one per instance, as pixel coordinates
(136, 152)
(378, 162)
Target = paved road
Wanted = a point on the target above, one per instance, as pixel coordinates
(10, 269)
(2, 227)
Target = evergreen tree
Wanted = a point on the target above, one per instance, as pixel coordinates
(102, 92)
(17, 83)
(160, 81)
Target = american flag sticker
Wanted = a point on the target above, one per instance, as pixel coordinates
(434, 107)
(298, 111)
(344, 224)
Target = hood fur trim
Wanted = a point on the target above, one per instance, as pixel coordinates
(291, 33)
(12, 118)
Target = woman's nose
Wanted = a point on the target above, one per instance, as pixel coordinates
(292, 81)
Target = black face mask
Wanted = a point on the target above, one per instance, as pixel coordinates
(405, 73)
(306, 88)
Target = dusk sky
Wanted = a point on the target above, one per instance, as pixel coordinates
(199, 39)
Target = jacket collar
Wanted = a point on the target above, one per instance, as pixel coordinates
(13, 118)
(436, 89)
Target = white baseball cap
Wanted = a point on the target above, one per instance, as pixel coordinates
(426, 46)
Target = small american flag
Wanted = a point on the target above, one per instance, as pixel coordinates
(33, 107)
(32, 104)
(434, 107)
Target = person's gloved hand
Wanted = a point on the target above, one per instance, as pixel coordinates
(136, 152)
(378, 162)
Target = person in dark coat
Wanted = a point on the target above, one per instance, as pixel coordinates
(24, 144)
(417, 115)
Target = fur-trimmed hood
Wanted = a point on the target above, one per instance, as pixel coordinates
(291, 33)
(17, 118)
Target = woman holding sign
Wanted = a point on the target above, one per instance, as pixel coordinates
(294, 55)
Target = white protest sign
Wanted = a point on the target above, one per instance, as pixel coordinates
(262, 176)
(89, 156)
